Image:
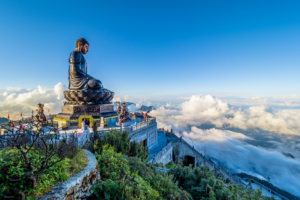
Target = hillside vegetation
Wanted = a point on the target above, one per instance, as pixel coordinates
(126, 174)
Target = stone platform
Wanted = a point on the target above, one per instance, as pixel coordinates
(70, 112)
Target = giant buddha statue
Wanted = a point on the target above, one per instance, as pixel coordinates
(78, 77)
(83, 88)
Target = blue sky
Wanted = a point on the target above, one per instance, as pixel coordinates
(153, 48)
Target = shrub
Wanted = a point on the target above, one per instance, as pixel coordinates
(36, 137)
(12, 167)
(201, 183)
(170, 165)
(121, 143)
(160, 181)
(117, 181)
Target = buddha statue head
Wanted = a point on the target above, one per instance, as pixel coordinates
(82, 45)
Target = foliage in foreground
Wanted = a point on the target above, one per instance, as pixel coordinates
(121, 143)
(12, 167)
(124, 177)
(28, 139)
(201, 183)
(170, 165)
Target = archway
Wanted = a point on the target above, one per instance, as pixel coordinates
(173, 156)
(187, 160)
(86, 121)
(144, 143)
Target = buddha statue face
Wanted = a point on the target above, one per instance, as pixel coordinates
(82, 48)
(85, 49)
(82, 45)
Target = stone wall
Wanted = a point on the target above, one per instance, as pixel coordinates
(165, 155)
(185, 149)
(148, 132)
(79, 185)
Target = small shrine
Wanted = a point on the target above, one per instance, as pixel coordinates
(40, 116)
(118, 110)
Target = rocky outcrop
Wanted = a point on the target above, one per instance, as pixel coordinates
(79, 185)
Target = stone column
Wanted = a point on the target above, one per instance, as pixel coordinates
(102, 122)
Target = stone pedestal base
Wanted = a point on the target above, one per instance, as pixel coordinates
(70, 112)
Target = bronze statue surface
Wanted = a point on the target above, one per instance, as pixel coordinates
(118, 110)
(40, 116)
(78, 77)
(124, 114)
(83, 88)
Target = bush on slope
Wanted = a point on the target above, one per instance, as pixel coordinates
(126, 175)
(131, 178)
(201, 183)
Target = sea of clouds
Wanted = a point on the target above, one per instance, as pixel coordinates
(229, 147)
(186, 118)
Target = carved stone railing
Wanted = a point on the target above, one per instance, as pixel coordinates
(133, 128)
(269, 189)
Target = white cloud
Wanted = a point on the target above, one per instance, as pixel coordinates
(125, 97)
(233, 154)
(115, 99)
(13, 89)
(208, 109)
(289, 97)
(256, 97)
(25, 101)
(227, 146)
(184, 98)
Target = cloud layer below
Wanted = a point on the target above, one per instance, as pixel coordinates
(14, 101)
(206, 109)
(237, 156)
(230, 148)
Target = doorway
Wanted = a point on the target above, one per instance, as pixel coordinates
(144, 143)
(187, 160)
(173, 156)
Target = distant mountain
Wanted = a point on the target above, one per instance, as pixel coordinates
(3, 120)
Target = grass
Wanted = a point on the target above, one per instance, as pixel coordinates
(170, 165)
(77, 163)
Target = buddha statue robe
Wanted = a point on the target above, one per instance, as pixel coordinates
(78, 77)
